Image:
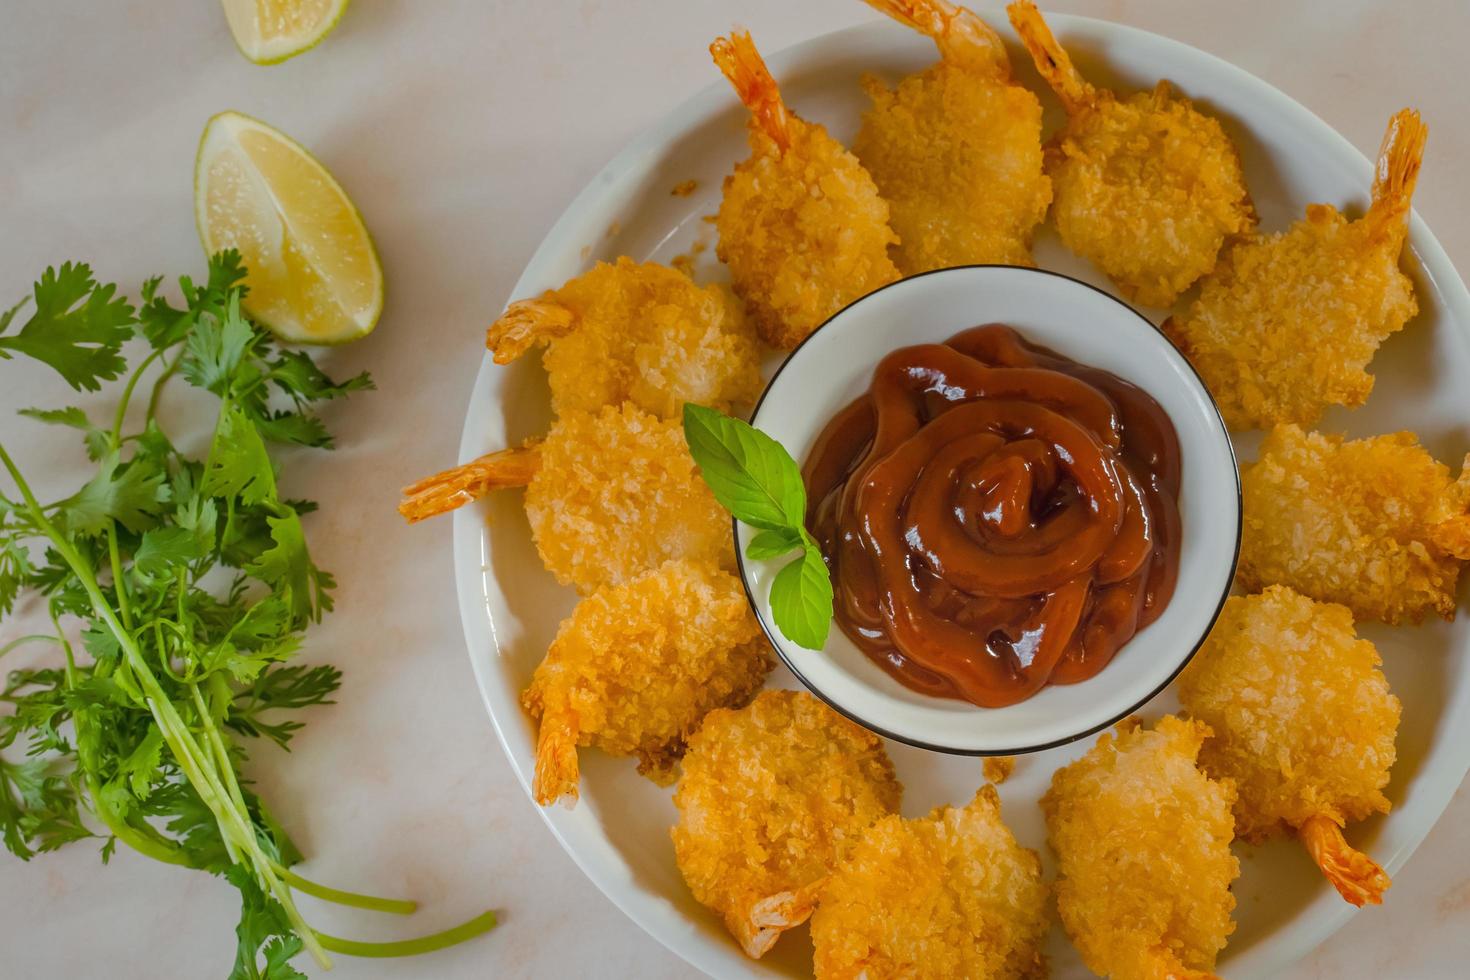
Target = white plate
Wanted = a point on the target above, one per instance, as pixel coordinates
(618, 835)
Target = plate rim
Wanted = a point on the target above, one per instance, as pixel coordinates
(1318, 919)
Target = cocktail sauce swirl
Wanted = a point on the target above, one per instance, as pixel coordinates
(996, 517)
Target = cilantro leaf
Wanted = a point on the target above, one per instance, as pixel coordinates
(166, 548)
(261, 920)
(286, 567)
(97, 441)
(239, 465)
(216, 346)
(78, 327)
(131, 494)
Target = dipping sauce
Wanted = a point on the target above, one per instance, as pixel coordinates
(996, 517)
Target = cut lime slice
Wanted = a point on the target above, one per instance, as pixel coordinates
(270, 31)
(314, 275)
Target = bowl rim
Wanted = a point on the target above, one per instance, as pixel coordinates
(778, 641)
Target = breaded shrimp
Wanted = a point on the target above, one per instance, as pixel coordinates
(638, 332)
(801, 224)
(951, 895)
(636, 667)
(609, 496)
(1287, 324)
(1142, 839)
(771, 798)
(1146, 187)
(1303, 723)
(956, 149)
(1374, 524)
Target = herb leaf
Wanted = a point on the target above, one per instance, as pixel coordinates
(801, 599)
(773, 544)
(78, 327)
(750, 473)
(754, 477)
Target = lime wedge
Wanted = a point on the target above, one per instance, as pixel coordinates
(269, 31)
(314, 276)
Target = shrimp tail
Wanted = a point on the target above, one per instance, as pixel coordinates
(525, 324)
(762, 924)
(557, 771)
(741, 63)
(1051, 61)
(1355, 875)
(1399, 159)
(962, 37)
(443, 492)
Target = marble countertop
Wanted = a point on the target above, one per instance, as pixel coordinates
(422, 110)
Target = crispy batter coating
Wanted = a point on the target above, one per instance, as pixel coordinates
(1146, 187)
(951, 895)
(638, 332)
(1288, 323)
(1303, 722)
(1142, 839)
(956, 149)
(998, 768)
(617, 494)
(636, 667)
(1374, 524)
(771, 797)
(801, 224)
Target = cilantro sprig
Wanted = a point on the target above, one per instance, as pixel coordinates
(757, 481)
(179, 590)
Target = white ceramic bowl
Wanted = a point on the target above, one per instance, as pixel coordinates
(835, 364)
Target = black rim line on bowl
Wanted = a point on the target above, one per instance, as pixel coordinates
(774, 637)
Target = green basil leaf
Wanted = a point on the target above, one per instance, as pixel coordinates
(750, 473)
(801, 600)
(773, 544)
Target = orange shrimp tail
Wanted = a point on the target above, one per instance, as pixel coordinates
(961, 35)
(741, 63)
(763, 923)
(443, 492)
(1355, 875)
(1051, 61)
(525, 324)
(1399, 159)
(557, 771)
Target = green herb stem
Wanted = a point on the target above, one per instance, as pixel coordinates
(21, 641)
(339, 897)
(477, 926)
(127, 396)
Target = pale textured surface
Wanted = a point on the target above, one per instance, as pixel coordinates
(402, 787)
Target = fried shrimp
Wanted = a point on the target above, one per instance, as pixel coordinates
(801, 224)
(951, 895)
(1142, 839)
(1374, 524)
(1303, 723)
(608, 496)
(636, 667)
(1146, 187)
(1288, 323)
(638, 332)
(956, 149)
(771, 798)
